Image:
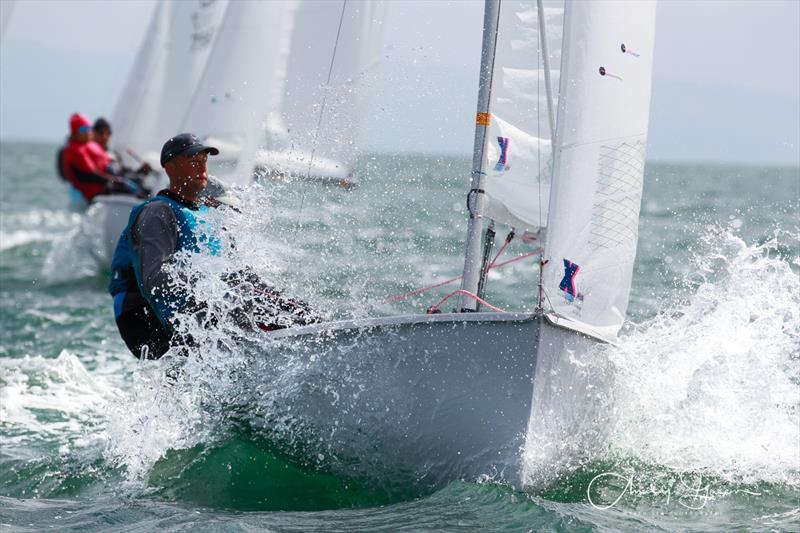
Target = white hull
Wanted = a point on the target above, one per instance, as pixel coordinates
(301, 165)
(103, 223)
(400, 402)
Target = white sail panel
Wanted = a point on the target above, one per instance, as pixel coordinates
(519, 150)
(6, 8)
(164, 77)
(244, 78)
(321, 115)
(132, 107)
(601, 136)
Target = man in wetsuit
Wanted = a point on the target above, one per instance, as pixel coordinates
(145, 299)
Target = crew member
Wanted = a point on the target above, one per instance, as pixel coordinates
(145, 301)
(83, 163)
(101, 134)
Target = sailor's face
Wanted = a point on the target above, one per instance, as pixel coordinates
(189, 173)
(102, 136)
(83, 135)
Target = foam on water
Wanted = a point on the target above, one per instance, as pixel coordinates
(36, 225)
(713, 384)
(54, 397)
(709, 385)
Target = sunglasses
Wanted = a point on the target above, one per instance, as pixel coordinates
(84, 129)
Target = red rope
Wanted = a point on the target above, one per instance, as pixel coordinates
(499, 252)
(419, 291)
(451, 280)
(435, 307)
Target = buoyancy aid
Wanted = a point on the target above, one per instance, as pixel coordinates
(195, 234)
(84, 165)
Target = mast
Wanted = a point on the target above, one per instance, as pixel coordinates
(476, 198)
(552, 121)
(547, 85)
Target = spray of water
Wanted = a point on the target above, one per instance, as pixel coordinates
(714, 384)
(710, 384)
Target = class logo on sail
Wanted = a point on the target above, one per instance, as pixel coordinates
(502, 161)
(567, 284)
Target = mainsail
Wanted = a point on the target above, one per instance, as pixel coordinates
(334, 46)
(604, 103)
(164, 76)
(519, 150)
(244, 78)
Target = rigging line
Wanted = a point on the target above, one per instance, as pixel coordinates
(435, 307)
(494, 265)
(322, 108)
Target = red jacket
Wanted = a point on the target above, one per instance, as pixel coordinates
(85, 167)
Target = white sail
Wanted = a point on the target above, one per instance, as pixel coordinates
(169, 64)
(127, 126)
(326, 86)
(519, 150)
(6, 8)
(604, 103)
(244, 78)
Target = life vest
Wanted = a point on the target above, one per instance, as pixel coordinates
(195, 234)
(83, 165)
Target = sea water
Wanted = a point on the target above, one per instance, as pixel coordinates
(703, 430)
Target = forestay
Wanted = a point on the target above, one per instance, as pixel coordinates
(599, 162)
(327, 75)
(165, 74)
(519, 162)
(243, 80)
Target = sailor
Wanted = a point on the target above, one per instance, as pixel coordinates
(101, 134)
(146, 299)
(84, 163)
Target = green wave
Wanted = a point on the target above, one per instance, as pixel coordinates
(249, 474)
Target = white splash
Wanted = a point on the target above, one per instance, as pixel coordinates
(714, 385)
(54, 397)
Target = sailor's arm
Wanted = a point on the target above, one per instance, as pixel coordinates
(155, 237)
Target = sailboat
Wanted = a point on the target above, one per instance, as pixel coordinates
(421, 400)
(242, 83)
(334, 47)
(153, 103)
(165, 74)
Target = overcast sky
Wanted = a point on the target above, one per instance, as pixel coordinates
(726, 75)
